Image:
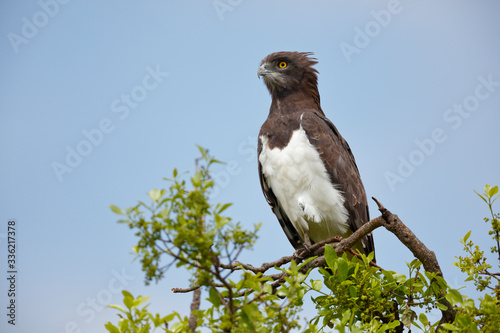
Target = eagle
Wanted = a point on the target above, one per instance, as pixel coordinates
(307, 171)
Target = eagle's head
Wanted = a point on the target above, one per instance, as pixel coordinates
(287, 72)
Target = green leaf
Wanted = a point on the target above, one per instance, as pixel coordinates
(353, 291)
(128, 300)
(449, 327)
(414, 264)
(155, 194)
(224, 207)
(196, 180)
(305, 262)
(170, 317)
(117, 307)
(441, 306)
(493, 191)
(487, 189)
(250, 312)
(116, 210)
(330, 256)
(392, 325)
(454, 296)
(467, 235)
(370, 257)
(127, 294)
(389, 275)
(267, 288)
(139, 300)
(399, 277)
(343, 268)
(110, 327)
(481, 197)
(203, 152)
(164, 213)
(123, 325)
(417, 326)
(214, 297)
(423, 319)
(317, 284)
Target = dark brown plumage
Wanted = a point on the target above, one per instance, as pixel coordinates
(295, 142)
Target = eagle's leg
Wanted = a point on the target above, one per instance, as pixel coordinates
(305, 249)
(307, 242)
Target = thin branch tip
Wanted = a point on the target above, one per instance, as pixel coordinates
(381, 207)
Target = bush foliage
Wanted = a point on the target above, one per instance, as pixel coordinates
(180, 227)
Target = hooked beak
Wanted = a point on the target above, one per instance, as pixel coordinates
(263, 71)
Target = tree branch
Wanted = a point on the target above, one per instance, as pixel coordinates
(392, 223)
(193, 288)
(389, 221)
(195, 306)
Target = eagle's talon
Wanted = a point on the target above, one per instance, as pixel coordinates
(302, 253)
(297, 255)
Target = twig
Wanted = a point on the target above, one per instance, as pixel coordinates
(485, 272)
(185, 290)
(193, 288)
(263, 268)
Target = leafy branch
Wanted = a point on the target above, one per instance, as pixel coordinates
(180, 227)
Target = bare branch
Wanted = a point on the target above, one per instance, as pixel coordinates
(195, 305)
(265, 266)
(485, 272)
(494, 275)
(185, 290)
(193, 288)
(392, 223)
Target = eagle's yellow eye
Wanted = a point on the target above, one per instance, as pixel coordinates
(282, 64)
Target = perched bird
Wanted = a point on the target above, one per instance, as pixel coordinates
(306, 169)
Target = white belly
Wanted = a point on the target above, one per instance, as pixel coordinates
(301, 184)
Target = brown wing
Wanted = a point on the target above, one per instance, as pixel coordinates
(341, 167)
(285, 222)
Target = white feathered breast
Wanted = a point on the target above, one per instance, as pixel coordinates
(297, 176)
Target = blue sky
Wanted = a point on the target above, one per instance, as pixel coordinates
(100, 100)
